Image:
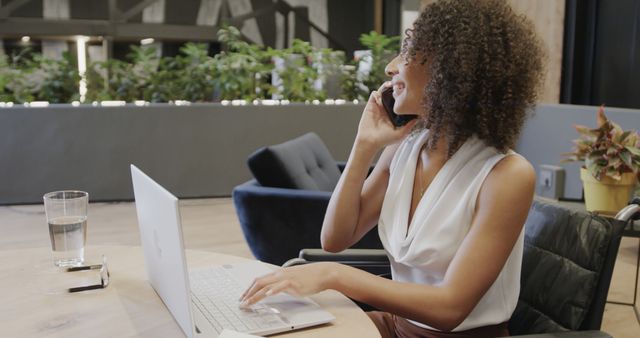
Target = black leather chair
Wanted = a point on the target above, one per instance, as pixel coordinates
(282, 209)
(566, 270)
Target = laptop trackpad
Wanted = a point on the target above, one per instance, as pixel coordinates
(286, 304)
(299, 312)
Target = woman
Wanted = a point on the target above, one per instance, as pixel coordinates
(449, 196)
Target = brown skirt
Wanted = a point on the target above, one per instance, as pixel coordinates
(391, 326)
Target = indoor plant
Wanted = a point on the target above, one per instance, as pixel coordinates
(21, 77)
(294, 75)
(60, 81)
(382, 50)
(241, 71)
(611, 164)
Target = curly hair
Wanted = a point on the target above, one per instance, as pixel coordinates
(486, 66)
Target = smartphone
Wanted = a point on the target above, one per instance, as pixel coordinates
(388, 102)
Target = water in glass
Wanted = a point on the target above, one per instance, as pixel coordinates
(68, 236)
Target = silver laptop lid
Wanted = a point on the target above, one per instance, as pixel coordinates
(161, 237)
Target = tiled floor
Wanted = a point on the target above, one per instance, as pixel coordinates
(211, 225)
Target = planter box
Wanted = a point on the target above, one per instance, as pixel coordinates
(194, 151)
(201, 150)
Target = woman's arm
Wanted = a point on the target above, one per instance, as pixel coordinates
(501, 211)
(355, 204)
(354, 207)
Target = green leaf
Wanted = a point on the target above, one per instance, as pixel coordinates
(597, 153)
(582, 129)
(622, 137)
(633, 150)
(594, 169)
(612, 150)
(626, 157)
(584, 142)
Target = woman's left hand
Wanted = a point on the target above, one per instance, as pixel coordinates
(301, 280)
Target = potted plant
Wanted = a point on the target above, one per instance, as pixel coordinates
(611, 164)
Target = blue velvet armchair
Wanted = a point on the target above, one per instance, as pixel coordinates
(282, 209)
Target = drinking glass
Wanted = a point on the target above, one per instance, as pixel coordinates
(67, 217)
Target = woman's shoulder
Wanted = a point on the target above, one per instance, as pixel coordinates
(502, 165)
(514, 163)
(513, 171)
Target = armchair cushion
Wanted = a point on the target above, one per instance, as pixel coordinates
(300, 163)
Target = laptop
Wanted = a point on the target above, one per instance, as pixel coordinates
(204, 301)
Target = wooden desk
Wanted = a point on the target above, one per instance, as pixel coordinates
(128, 307)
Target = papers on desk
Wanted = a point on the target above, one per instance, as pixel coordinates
(226, 333)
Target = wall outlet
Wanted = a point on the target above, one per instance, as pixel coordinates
(550, 181)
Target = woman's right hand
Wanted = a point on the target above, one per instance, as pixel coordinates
(375, 129)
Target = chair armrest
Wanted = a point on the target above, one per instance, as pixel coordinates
(374, 261)
(631, 212)
(568, 334)
(374, 256)
(631, 215)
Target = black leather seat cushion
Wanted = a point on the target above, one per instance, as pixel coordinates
(300, 163)
(564, 255)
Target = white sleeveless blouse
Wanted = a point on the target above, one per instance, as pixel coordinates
(440, 223)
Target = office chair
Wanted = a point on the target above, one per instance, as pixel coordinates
(566, 270)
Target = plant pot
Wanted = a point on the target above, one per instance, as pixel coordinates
(607, 195)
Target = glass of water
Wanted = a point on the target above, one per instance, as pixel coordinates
(67, 217)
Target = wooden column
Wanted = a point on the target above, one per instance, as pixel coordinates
(378, 16)
(548, 19)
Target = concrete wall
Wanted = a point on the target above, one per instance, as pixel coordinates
(201, 150)
(194, 151)
(549, 132)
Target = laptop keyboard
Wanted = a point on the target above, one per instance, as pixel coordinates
(215, 293)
